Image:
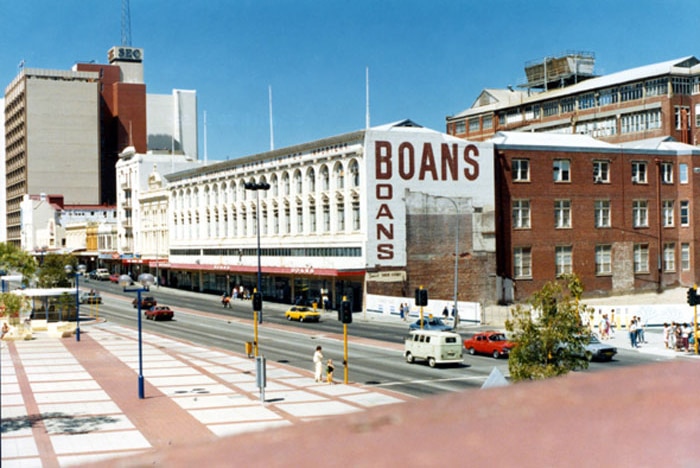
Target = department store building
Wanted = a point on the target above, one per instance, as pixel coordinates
(382, 211)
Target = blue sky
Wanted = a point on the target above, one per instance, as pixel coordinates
(427, 59)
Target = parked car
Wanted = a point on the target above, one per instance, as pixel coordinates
(146, 302)
(114, 277)
(596, 350)
(159, 313)
(430, 323)
(435, 347)
(494, 343)
(92, 297)
(102, 274)
(303, 314)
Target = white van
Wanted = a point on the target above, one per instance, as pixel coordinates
(436, 347)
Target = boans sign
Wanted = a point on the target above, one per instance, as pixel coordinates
(421, 161)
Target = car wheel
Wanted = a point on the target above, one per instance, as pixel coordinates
(471, 351)
(496, 354)
(409, 358)
(431, 361)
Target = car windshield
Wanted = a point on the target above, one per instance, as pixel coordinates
(594, 340)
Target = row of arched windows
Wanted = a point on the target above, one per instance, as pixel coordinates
(315, 200)
(285, 184)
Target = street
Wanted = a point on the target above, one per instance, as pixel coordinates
(375, 347)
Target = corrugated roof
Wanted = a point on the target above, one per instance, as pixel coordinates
(684, 65)
(549, 139)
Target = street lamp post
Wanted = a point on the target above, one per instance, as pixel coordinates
(456, 272)
(257, 186)
(78, 272)
(145, 281)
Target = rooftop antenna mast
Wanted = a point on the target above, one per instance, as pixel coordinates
(126, 23)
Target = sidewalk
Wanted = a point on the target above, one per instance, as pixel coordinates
(70, 403)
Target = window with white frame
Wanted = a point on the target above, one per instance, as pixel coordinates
(312, 217)
(562, 170)
(563, 260)
(601, 172)
(682, 116)
(667, 172)
(640, 213)
(685, 256)
(460, 127)
(670, 256)
(603, 260)
(602, 213)
(355, 216)
(683, 173)
(487, 122)
(521, 214)
(522, 262)
(562, 214)
(287, 220)
(639, 172)
(326, 217)
(697, 107)
(685, 212)
(641, 258)
(300, 220)
(474, 124)
(667, 213)
(521, 170)
(341, 216)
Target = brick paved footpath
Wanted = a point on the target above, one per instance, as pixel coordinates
(68, 403)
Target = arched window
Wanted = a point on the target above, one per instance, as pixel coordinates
(311, 179)
(355, 173)
(325, 179)
(339, 175)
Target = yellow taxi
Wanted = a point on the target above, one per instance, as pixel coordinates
(303, 314)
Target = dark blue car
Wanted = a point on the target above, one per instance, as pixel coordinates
(430, 323)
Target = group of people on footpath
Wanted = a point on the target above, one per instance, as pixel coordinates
(318, 367)
(237, 293)
(678, 337)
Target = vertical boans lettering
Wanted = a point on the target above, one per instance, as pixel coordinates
(385, 231)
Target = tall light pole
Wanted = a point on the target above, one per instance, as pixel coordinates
(257, 186)
(78, 272)
(145, 281)
(456, 272)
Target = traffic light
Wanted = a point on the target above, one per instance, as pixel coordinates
(693, 298)
(345, 312)
(421, 297)
(257, 302)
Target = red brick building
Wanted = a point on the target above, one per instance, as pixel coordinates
(562, 95)
(622, 217)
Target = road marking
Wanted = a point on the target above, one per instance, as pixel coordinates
(408, 382)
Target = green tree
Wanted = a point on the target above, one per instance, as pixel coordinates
(52, 273)
(14, 259)
(549, 334)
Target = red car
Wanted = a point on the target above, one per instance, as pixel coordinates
(114, 277)
(159, 313)
(146, 302)
(489, 342)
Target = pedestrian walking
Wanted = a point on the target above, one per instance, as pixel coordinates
(667, 335)
(318, 364)
(445, 312)
(633, 332)
(329, 371)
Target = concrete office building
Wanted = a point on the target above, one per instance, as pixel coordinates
(64, 130)
(563, 95)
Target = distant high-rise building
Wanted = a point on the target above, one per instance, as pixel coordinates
(64, 130)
